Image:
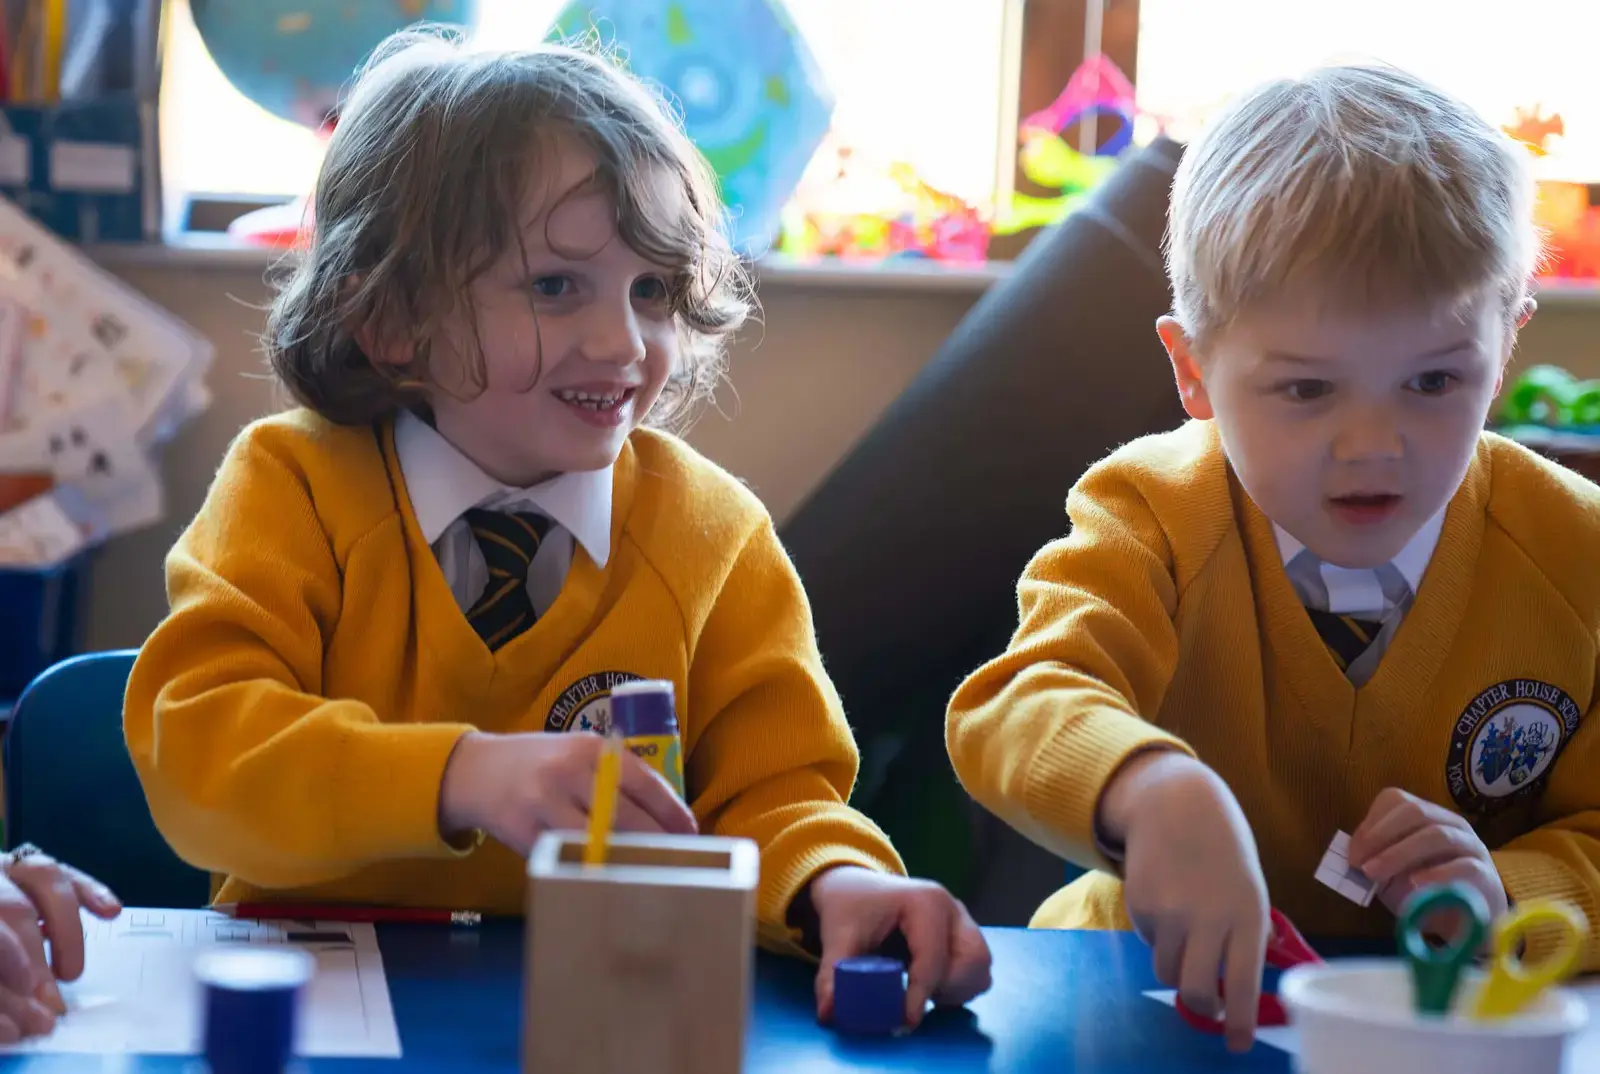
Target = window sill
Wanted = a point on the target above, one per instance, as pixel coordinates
(1567, 293)
(207, 250)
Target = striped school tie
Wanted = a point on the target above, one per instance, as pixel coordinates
(1346, 636)
(509, 543)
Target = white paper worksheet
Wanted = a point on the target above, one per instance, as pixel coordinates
(138, 995)
(1582, 1058)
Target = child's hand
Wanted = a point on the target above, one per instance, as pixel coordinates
(857, 909)
(40, 900)
(1192, 883)
(515, 787)
(1406, 843)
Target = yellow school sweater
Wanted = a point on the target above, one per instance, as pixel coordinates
(292, 716)
(1165, 617)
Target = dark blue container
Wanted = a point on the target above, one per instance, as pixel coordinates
(869, 995)
(252, 998)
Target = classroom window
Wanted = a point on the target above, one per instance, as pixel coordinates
(1498, 56)
(926, 88)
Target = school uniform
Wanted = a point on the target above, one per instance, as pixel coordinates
(349, 602)
(1176, 615)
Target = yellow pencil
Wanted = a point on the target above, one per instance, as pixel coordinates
(607, 774)
(55, 35)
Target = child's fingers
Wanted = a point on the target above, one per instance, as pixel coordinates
(1424, 847)
(1247, 954)
(1201, 972)
(1469, 870)
(55, 901)
(19, 919)
(17, 973)
(1393, 817)
(631, 817)
(840, 940)
(925, 923)
(653, 794)
(968, 976)
(519, 829)
(1166, 953)
(98, 899)
(30, 1017)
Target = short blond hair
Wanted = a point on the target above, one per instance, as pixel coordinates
(1358, 178)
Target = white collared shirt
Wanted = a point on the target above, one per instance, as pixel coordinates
(1383, 593)
(444, 485)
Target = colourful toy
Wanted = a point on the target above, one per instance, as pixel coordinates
(1534, 129)
(1508, 986)
(1549, 396)
(1511, 986)
(1097, 87)
(856, 207)
(1436, 970)
(1563, 209)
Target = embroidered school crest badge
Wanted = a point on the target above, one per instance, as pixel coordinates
(586, 704)
(1505, 742)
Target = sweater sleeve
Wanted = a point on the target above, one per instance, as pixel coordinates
(247, 768)
(1560, 859)
(1037, 733)
(773, 759)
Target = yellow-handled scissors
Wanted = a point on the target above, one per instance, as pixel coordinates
(1512, 984)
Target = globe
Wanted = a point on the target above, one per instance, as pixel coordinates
(739, 72)
(295, 57)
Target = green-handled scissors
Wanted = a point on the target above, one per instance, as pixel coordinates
(1436, 971)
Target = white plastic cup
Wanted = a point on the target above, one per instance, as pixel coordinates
(1357, 1016)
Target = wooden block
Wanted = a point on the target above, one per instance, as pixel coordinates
(643, 963)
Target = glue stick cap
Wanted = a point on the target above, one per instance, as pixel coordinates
(645, 707)
(251, 997)
(869, 995)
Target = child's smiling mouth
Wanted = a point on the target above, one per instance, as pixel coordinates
(607, 406)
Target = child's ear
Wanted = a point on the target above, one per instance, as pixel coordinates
(1191, 389)
(1530, 306)
(368, 334)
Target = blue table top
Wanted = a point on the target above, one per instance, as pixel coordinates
(1062, 1002)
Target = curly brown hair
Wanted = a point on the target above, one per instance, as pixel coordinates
(419, 195)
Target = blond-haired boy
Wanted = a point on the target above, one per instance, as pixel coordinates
(1331, 601)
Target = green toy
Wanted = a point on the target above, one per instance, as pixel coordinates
(1551, 397)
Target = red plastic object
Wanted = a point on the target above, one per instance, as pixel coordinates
(1285, 948)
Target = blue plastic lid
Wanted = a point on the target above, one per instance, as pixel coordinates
(251, 999)
(644, 708)
(869, 995)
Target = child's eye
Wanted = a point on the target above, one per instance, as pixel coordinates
(650, 289)
(1305, 391)
(553, 286)
(1433, 382)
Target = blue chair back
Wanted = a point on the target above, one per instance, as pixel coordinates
(71, 789)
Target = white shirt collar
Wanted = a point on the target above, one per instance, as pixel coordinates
(1411, 561)
(444, 484)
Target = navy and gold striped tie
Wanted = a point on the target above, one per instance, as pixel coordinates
(1346, 636)
(508, 542)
